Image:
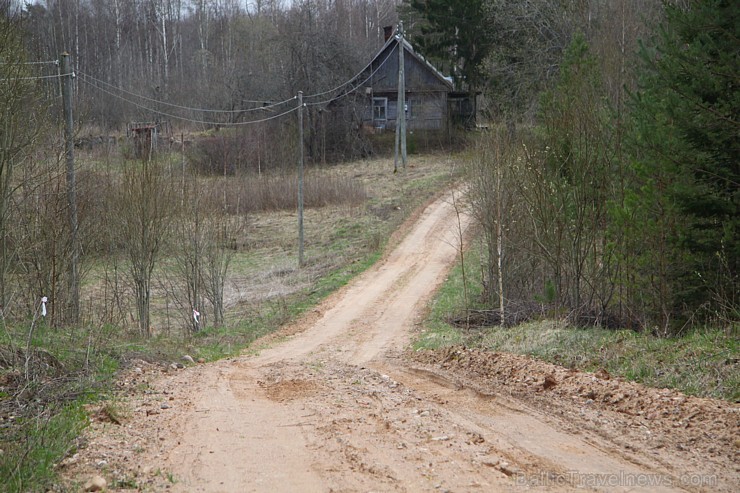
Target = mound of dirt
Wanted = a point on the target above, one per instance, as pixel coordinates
(705, 433)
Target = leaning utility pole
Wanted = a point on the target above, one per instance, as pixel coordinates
(401, 104)
(300, 178)
(74, 271)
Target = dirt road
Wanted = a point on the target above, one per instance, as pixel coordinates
(333, 404)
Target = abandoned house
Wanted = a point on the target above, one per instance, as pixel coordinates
(432, 103)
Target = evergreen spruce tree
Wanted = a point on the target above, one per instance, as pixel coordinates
(455, 34)
(686, 197)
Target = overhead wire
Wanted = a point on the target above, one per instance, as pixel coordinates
(188, 108)
(50, 62)
(349, 81)
(37, 77)
(316, 103)
(192, 120)
(33, 77)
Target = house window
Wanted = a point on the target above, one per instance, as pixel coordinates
(380, 111)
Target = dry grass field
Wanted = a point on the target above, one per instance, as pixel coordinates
(351, 211)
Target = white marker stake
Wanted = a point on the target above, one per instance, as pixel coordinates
(44, 299)
(196, 314)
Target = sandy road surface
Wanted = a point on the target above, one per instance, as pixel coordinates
(333, 405)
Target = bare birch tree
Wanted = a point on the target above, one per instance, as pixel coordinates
(145, 203)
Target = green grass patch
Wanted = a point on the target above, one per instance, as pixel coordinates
(702, 363)
(448, 303)
(36, 443)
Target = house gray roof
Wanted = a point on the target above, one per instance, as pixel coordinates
(393, 40)
(385, 54)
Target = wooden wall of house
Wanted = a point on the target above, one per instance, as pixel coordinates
(427, 111)
(426, 94)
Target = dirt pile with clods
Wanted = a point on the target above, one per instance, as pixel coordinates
(705, 433)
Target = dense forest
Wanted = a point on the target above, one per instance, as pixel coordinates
(619, 203)
(605, 185)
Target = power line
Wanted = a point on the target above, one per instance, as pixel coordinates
(258, 101)
(350, 80)
(347, 93)
(38, 77)
(50, 62)
(205, 110)
(192, 120)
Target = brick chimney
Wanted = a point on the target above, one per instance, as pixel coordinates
(387, 32)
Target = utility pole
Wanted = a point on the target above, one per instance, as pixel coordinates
(300, 178)
(74, 270)
(401, 104)
(402, 71)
